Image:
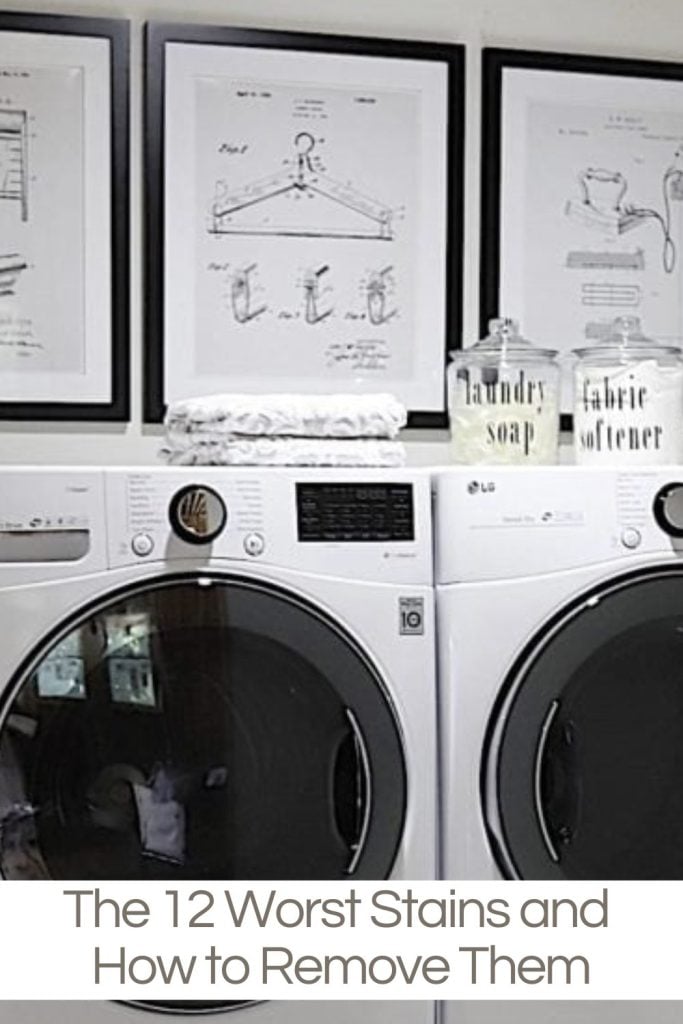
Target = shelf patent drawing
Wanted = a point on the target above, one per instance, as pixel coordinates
(14, 158)
(63, 217)
(299, 200)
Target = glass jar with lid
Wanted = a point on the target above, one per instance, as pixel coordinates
(628, 399)
(504, 400)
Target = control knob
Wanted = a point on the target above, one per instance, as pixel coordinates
(668, 509)
(197, 514)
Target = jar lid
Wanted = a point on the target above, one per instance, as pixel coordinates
(504, 343)
(626, 340)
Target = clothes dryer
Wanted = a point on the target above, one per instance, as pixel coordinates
(560, 617)
(215, 674)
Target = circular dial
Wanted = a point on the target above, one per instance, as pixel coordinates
(668, 509)
(197, 514)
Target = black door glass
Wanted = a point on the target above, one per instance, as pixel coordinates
(200, 727)
(589, 759)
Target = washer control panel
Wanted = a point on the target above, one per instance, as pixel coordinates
(169, 514)
(356, 524)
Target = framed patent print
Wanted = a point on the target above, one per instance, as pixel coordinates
(304, 215)
(63, 217)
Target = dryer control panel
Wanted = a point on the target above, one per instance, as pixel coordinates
(494, 523)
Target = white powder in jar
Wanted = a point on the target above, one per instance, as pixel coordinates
(511, 422)
(628, 414)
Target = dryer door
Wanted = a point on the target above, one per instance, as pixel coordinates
(583, 776)
(200, 727)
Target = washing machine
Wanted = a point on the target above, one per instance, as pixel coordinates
(217, 674)
(560, 619)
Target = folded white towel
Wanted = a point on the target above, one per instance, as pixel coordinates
(285, 451)
(315, 415)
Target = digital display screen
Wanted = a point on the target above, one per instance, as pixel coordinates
(355, 513)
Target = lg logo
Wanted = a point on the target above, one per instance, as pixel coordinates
(481, 487)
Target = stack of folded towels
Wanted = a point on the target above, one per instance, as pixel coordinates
(285, 430)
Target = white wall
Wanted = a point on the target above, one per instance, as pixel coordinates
(628, 28)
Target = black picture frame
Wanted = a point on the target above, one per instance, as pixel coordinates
(158, 36)
(495, 61)
(116, 32)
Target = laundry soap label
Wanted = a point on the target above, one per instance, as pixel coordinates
(511, 419)
(629, 414)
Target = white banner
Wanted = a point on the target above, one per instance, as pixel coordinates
(317, 940)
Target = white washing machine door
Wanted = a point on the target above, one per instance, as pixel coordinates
(199, 726)
(583, 770)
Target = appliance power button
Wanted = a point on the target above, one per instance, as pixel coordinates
(630, 537)
(142, 544)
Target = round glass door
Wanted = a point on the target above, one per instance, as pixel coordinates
(585, 751)
(200, 727)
